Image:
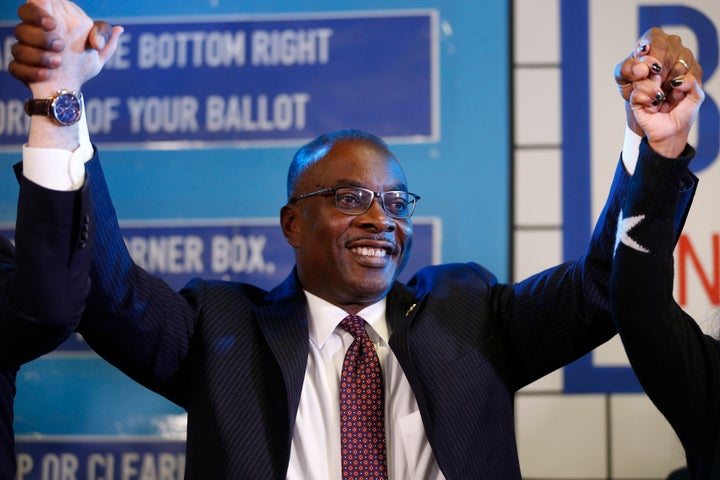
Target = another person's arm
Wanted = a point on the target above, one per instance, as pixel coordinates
(676, 363)
(44, 282)
(43, 296)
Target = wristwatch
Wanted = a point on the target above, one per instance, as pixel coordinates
(65, 107)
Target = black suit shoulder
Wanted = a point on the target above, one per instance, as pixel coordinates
(450, 276)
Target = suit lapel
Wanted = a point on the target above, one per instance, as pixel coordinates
(402, 306)
(283, 321)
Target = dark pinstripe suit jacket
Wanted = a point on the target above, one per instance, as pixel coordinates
(39, 311)
(234, 355)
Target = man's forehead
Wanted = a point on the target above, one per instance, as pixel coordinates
(357, 166)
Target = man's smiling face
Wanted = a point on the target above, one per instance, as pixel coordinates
(348, 260)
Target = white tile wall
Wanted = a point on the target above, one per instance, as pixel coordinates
(536, 250)
(551, 383)
(562, 436)
(580, 437)
(642, 443)
(537, 98)
(538, 203)
(536, 30)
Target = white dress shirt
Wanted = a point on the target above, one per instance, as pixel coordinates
(315, 450)
(58, 169)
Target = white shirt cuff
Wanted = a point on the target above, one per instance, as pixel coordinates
(631, 149)
(58, 169)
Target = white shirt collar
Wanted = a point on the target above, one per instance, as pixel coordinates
(324, 317)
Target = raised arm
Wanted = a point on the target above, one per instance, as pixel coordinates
(44, 285)
(564, 312)
(132, 319)
(676, 363)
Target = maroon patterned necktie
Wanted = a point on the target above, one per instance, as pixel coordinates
(362, 409)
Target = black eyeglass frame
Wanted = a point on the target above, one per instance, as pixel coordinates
(375, 195)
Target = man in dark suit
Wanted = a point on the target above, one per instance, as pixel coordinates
(260, 373)
(43, 286)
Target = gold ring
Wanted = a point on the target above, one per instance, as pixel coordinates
(684, 64)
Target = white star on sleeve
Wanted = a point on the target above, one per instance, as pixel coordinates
(624, 226)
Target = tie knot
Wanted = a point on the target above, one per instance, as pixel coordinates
(355, 325)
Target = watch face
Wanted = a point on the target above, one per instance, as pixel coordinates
(66, 109)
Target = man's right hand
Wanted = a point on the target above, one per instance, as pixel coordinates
(59, 46)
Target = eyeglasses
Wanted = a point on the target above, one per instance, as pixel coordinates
(356, 201)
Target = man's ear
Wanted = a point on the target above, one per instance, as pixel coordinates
(289, 223)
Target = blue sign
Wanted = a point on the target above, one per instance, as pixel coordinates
(261, 80)
(77, 457)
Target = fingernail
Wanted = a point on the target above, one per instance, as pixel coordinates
(656, 67)
(676, 82)
(55, 60)
(100, 40)
(660, 97)
(57, 45)
(655, 103)
(642, 48)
